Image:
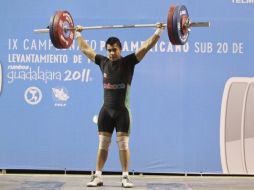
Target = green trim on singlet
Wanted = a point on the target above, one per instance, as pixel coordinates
(127, 105)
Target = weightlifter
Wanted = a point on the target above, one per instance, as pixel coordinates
(115, 114)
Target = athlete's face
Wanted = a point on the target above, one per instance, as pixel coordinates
(114, 52)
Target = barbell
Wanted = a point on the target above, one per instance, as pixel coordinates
(61, 27)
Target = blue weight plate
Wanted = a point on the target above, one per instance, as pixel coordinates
(180, 37)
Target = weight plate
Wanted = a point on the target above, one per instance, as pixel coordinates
(170, 24)
(63, 38)
(180, 34)
(51, 32)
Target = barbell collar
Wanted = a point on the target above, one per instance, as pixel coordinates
(45, 30)
(199, 24)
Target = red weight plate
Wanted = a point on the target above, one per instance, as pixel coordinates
(170, 24)
(53, 39)
(63, 38)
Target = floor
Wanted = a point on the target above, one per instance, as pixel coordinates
(77, 182)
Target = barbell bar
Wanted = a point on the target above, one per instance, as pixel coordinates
(193, 24)
(61, 27)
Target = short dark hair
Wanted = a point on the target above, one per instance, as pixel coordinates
(113, 40)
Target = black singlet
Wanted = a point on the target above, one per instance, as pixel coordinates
(117, 77)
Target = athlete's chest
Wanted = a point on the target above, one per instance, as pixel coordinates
(115, 72)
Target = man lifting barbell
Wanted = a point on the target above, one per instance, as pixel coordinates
(117, 76)
(115, 112)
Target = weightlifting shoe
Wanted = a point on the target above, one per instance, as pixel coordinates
(95, 181)
(126, 182)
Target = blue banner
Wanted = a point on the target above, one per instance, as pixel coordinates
(50, 98)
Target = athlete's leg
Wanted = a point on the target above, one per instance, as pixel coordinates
(102, 154)
(124, 152)
(105, 128)
(123, 125)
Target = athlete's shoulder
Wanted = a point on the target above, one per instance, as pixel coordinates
(100, 59)
(131, 58)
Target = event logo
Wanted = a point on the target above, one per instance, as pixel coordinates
(33, 95)
(60, 96)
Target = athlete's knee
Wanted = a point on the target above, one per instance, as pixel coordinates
(123, 142)
(104, 142)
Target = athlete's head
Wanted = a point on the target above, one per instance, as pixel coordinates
(114, 48)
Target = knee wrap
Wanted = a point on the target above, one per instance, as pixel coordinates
(123, 142)
(104, 142)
